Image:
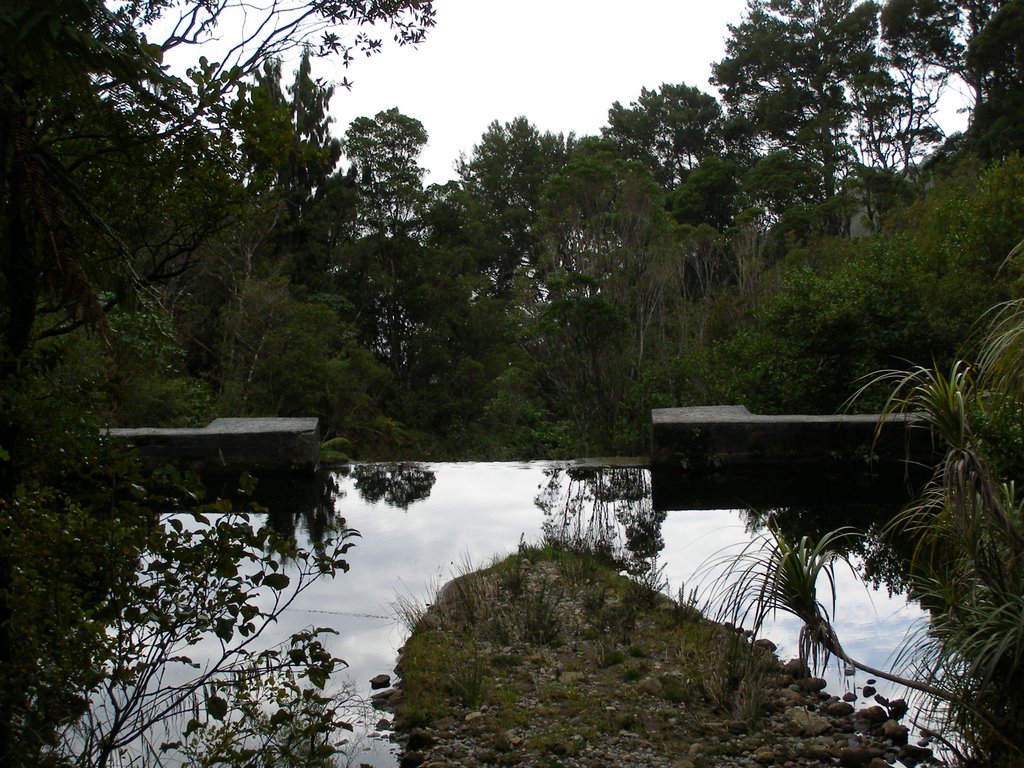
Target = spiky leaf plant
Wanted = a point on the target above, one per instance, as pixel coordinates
(968, 530)
(772, 575)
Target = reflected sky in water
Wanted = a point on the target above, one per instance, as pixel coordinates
(472, 513)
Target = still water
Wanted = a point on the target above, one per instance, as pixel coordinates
(421, 524)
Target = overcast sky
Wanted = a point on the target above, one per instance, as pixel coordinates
(560, 63)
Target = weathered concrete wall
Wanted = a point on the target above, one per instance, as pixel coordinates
(705, 438)
(231, 445)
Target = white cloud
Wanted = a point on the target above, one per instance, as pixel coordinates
(561, 63)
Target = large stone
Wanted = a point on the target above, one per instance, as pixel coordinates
(912, 755)
(838, 708)
(733, 435)
(383, 700)
(895, 732)
(853, 757)
(873, 714)
(420, 739)
(230, 445)
(796, 669)
(811, 684)
(807, 723)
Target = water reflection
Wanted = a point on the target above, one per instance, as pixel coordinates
(470, 513)
(761, 487)
(603, 509)
(884, 560)
(397, 484)
(308, 504)
(313, 508)
(809, 500)
(611, 510)
(294, 502)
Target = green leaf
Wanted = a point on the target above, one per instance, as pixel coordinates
(248, 612)
(246, 484)
(217, 707)
(280, 717)
(317, 677)
(155, 52)
(277, 581)
(225, 629)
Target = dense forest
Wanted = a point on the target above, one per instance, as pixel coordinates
(179, 242)
(766, 246)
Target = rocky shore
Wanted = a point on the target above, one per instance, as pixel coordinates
(549, 659)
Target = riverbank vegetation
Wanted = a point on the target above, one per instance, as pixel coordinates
(177, 244)
(560, 651)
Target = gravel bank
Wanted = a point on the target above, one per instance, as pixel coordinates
(560, 663)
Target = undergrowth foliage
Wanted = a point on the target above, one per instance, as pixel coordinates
(138, 633)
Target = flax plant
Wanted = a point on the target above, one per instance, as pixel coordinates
(966, 525)
(963, 492)
(968, 563)
(773, 575)
(967, 568)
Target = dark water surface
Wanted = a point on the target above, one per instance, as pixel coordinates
(421, 524)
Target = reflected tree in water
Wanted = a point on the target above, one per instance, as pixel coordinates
(607, 510)
(292, 502)
(307, 504)
(397, 484)
(882, 560)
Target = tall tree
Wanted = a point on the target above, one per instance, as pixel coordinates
(292, 157)
(787, 74)
(897, 103)
(311, 154)
(931, 44)
(995, 62)
(503, 178)
(384, 264)
(385, 152)
(81, 86)
(607, 260)
(87, 103)
(709, 194)
(404, 292)
(670, 130)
